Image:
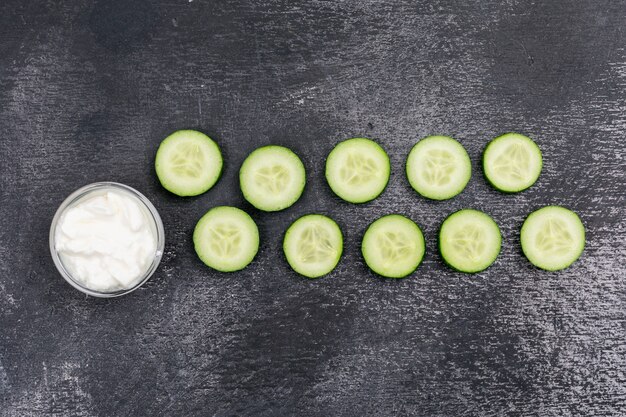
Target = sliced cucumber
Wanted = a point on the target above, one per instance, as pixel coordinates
(313, 245)
(438, 167)
(226, 239)
(393, 246)
(552, 237)
(357, 170)
(272, 178)
(188, 163)
(512, 162)
(469, 240)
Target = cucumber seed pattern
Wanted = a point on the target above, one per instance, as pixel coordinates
(394, 247)
(358, 169)
(225, 239)
(554, 238)
(513, 163)
(470, 242)
(439, 166)
(187, 160)
(273, 179)
(314, 245)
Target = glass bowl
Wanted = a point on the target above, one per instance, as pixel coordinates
(100, 187)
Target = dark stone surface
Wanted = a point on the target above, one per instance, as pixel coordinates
(89, 89)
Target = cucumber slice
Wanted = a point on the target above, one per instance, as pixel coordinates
(552, 237)
(188, 163)
(226, 239)
(469, 240)
(313, 245)
(357, 170)
(393, 246)
(438, 167)
(272, 178)
(512, 162)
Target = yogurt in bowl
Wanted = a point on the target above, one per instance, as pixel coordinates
(106, 239)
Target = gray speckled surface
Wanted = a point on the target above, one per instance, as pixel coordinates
(87, 91)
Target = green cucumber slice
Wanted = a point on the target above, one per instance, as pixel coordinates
(272, 178)
(188, 163)
(512, 162)
(552, 237)
(469, 240)
(226, 239)
(393, 246)
(313, 245)
(438, 167)
(357, 170)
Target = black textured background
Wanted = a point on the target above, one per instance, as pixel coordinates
(88, 89)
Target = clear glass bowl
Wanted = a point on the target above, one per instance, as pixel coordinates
(99, 187)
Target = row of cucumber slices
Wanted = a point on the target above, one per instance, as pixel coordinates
(273, 178)
(227, 239)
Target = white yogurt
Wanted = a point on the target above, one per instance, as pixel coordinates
(107, 240)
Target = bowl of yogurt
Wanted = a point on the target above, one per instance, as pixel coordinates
(106, 239)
